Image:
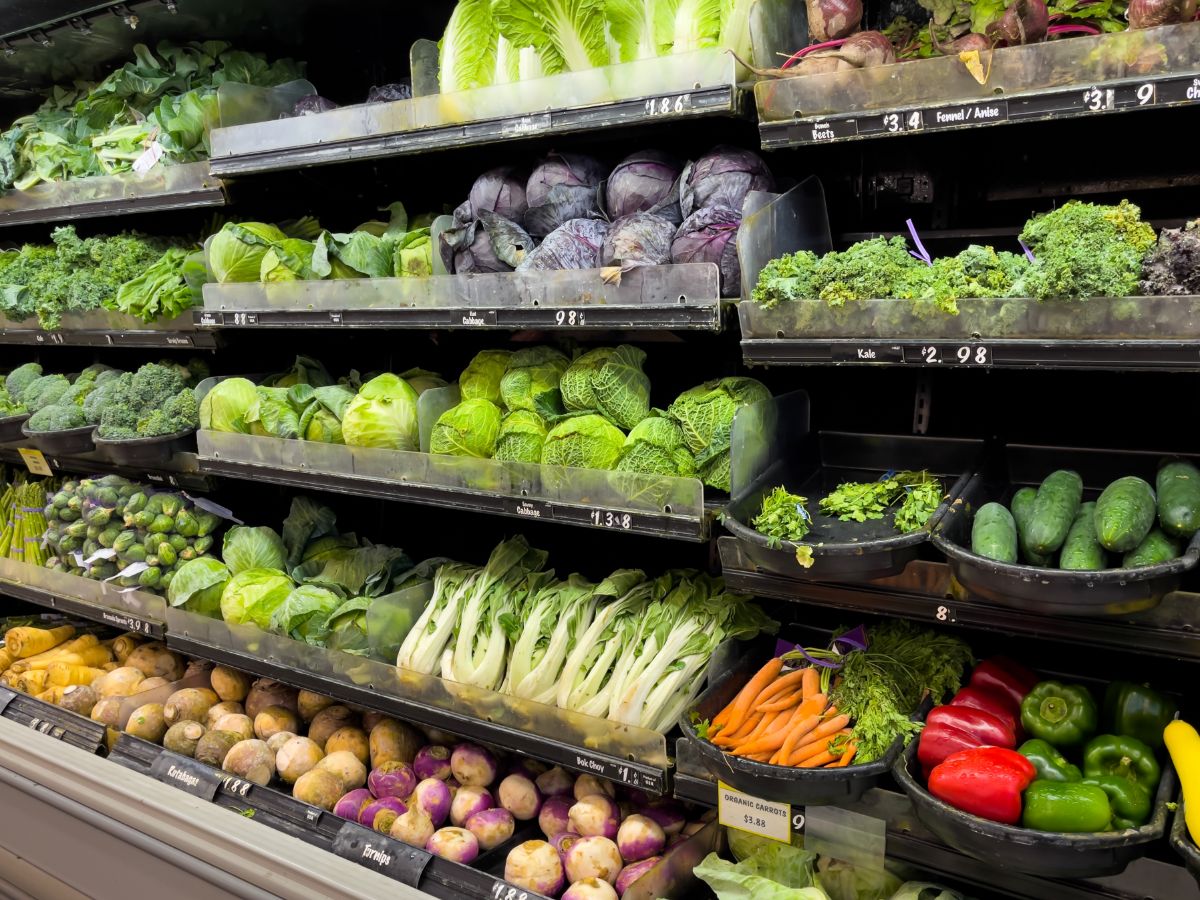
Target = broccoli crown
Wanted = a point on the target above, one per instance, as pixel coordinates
(153, 384)
(77, 393)
(149, 403)
(180, 413)
(21, 376)
(57, 417)
(94, 403)
(43, 391)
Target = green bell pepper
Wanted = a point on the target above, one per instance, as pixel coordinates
(1074, 807)
(1121, 755)
(1062, 714)
(1050, 764)
(1130, 801)
(1138, 711)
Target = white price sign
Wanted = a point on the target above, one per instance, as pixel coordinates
(765, 818)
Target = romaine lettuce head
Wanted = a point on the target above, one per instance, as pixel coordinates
(585, 442)
(656, 446)
(253, 547)
(303, 613)
(480, 380)
(469, 429)
(197, 586)
(610, 381)
(252, 596)
(521, 436)
(224, 408)
(384, 414)
(237, 250)
(705, 413)
(531, 380)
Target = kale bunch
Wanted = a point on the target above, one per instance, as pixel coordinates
(151, 402)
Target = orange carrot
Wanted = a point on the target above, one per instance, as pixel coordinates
(845, 758)
(810, 744)
(798, 732)
(811, 682)
(821, 759)
(783, 684)
(780, 702)
(725, 737)
(816, 748)
(772, 739)
(722, 717)
(762, 678)
(832, 725)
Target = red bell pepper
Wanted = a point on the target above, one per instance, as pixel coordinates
(990, 702)
(1002, 675)
(986, 782)
(989, 730)
(939, 741)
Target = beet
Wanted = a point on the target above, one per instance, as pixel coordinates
(1152, 13)
(1023, 22)
(829, 20)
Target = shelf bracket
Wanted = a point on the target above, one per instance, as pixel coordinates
(922, 404)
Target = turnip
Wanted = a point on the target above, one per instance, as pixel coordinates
(636, 796)
(432, 762)
(554, 816)
(491, 827)
(433, 796)
(467, 802)
(392, 779)
(452, 785)
(413, 827)
(520, 796)
(473, 765)
(346, 766)
(632, 872)
(563, 840)
(535, 866)
(640, 837)
(586, 785)
(530, 768)
(555, 782)
(455, 844)
(595, 816)
(380, 814)
(297, 756)
(592, 857)
(667, 813)
(590, 889)
(352, 803)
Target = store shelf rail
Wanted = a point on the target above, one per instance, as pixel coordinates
(96, 601)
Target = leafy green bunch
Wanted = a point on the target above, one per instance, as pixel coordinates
(783, 517)
(917, 493)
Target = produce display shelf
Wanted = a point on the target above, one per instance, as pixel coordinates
(669, 297)
(51, 720)
(181, 471)
(926, 592)
(1056, 80)
(609, 750)
(96, 601)
(186, 186)
(102, 328)
(611, 501)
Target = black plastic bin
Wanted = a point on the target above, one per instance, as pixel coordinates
(1183, 844)
(850, 551)
(71, 442)
(1043, 853)
(148, 452)
(10, 428)
(1107, 592)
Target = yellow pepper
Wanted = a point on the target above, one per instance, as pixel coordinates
(1183, 743)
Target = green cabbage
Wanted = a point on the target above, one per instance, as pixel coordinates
(224, 408)
(322, 420)
(421, 380)
(521, 436)
(610, 381)
(197, 586)
(235, 253)
(413, 256)
(705, 413)
(303, 613)
(656, 446)
(348, 627)
(252, 596)
(585, 442)
(469, 429)
(294, 259)
(274, 414)
(531, 381)
(481, 378)
(247, 547)
(359, 254)
(384, 414)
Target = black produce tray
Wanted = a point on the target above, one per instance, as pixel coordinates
(70, 442)
(1107, 592)
(10, 428)
(804, 787)
(152, 451)
(1044, 853)
(1183, 843)
(850, 551)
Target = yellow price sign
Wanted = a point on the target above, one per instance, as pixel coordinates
(35, 462)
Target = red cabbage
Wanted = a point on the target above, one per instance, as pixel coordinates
(723, 177)
(640, 239)
(563, 202)
(573, 245)
(385, 93)
(647, 181)
(501, 191)
(312, 104)
(490, 243)
(563, 186)
(710, 235)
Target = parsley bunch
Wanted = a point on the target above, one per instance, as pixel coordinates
(783, 517)
(918, 494)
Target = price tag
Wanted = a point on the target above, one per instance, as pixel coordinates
(52, 337)
(6, 697)
(149, 159)
(944, 614)
(131, 623)
(379, 852)
(606, 518)
(966, 355)
(35, 462)
(239, 787)
(502, 890)
(569, 318)
(45, 726)
(245, 318)
(665, 106)
(186, 774)
(765, 818)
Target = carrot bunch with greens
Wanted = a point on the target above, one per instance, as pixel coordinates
(783, 717)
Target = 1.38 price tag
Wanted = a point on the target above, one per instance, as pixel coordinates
(765, 818)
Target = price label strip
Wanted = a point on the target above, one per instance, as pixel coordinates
(753, 815)
(973, 355)
(502, 890)
(186, 774)
(7, 696)
(377, 851)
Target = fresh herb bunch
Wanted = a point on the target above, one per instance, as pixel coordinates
(918, 494)
(783, 517)
(920, 502)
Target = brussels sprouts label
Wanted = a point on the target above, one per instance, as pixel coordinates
(186, 774)
(502, 890)
(379, 852)
(765, 818)
(34, 461)
(132, 623)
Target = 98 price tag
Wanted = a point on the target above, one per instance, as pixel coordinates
(765, 818)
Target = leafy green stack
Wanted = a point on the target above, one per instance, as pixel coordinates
(101, 527)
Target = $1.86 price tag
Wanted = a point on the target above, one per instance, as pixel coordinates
(766, 818)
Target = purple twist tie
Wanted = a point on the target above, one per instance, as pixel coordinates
(1028, 253)
(924, 254)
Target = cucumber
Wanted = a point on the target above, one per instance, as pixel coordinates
(1155, 548)
(1178, 486)
(994, 533)
(1054, 511)
(1022, 508)
(1125, 513)
(1081, 551)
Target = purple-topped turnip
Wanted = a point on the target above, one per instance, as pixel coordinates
(640, 837)
(455, 844)
(372, 809)
(592, 857)
(352, 804)
(555, 782)
(491, 827)
(563, 840)
(520, 796)
(530, 768)
(432, 762)
(554, 816)
(590, 889)
(667, 813)
(595, 815)
(632, 872)
(586, 785)
(473, 765)
(392, 779)
(452, 786)
(535, 866)
(467, 802)
(413, 827)
(433, 796)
